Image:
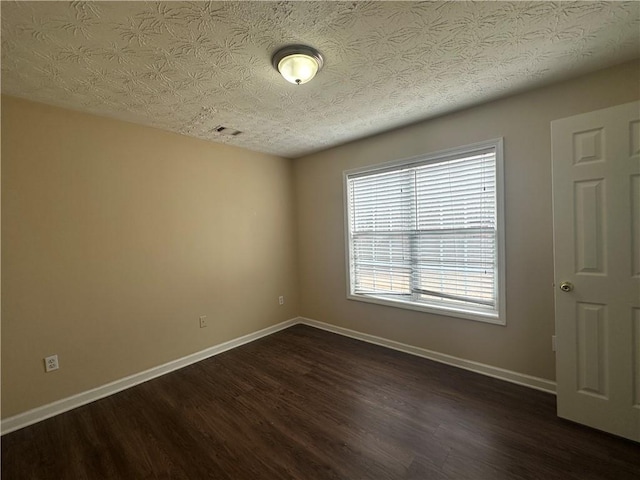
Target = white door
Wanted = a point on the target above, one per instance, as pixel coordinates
(596, 221)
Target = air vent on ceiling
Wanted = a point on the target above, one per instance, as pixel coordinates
(227, 131)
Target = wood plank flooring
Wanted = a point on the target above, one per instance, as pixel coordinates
(307, 404)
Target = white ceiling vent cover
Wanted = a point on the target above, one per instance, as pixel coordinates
(226, 131)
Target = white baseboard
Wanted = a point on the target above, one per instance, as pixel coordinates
(495, 372)
(38, 414)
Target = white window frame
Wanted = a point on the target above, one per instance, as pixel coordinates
(497, 317)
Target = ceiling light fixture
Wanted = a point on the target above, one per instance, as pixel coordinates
(298, 63)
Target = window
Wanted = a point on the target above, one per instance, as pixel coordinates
(427, 233)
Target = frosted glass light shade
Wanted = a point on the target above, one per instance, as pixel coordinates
(298, 64)
(298, 68)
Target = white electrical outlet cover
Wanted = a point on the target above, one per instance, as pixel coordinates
(51, 363)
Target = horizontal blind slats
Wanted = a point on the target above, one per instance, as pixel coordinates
(427, 231)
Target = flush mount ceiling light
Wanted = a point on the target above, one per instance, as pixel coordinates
(298, 63)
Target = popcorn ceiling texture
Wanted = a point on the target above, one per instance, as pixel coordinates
(188, 67)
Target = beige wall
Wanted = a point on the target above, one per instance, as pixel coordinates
(524, 345)
(117, 237)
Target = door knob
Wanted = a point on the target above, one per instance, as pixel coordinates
(566, 286)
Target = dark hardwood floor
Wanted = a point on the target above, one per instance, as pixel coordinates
(307, 404)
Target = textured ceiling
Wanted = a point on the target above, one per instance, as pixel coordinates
(191, 66)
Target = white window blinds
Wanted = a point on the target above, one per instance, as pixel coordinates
(426, 232)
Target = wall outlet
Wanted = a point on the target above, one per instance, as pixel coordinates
(203, 321)
(51, 363)
(281, 300)
(553, 343)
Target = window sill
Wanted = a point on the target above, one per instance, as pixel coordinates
(448, 312)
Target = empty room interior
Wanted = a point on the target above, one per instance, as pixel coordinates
(320, 240)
